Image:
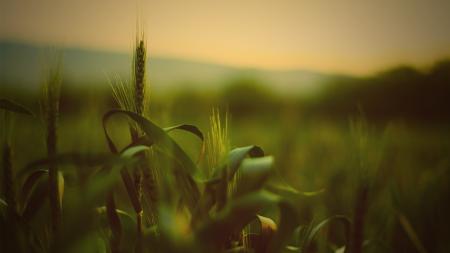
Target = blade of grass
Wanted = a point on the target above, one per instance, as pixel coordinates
(409, 229)
(316, 229)
(11, 106)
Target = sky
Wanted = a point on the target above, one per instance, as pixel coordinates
(351, 36)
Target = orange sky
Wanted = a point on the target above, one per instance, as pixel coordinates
(352, 36)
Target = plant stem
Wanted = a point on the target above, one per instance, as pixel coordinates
(114, 223)
(358, 220)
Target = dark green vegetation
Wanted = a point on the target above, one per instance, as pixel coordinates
(364, 164)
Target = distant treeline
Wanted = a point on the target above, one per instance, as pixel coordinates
(401, 93)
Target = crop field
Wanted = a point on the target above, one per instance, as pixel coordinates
(202, 126)
(128, 170)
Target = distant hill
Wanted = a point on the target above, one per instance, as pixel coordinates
(403, 93)
(24, 65)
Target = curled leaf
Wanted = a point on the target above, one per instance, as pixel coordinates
(253, 174)
(194, 130)
(237, 155)
(30, 184)
(315, 230)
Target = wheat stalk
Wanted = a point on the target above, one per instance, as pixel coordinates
(217, 145)
(12, 241)
(50, 112)
(8, 183)
(135, 98)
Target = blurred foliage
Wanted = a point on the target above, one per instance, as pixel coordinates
(402, 93)
(396, 149)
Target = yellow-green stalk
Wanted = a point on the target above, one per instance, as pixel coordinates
(217, 145)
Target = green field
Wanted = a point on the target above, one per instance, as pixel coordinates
(362, 166)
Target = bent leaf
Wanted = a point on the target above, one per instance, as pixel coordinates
(288, 223)
(126, 177)
(237, 155)
(254, 173)
(36, 199)
(194, 130)
(14, 107)
(30, 184)
(234, 217)
(161, 140)
(102, 210)
(80, 160)
(260, 234)
(134, 150)
(158, 136)
(408, 228)
(315, 230)
(188, 128)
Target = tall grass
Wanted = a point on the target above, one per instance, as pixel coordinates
(135, 97)
(12, 236)
(10, 241)
(8, 183)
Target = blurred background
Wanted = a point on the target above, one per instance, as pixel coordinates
(333, 89)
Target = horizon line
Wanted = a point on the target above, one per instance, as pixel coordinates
(39, 44)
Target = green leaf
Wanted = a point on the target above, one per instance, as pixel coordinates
(3, 207)
(315, 230)
(260, 233)
(254, 172)
(37, 198)
(141, 141)
(290, 249)
(134, 150)
(313, 193)
(3, 203)
(127, 226)
(217, 186)
(234, 217)
(29, 185)
(37, 190)
(102, 210)
(158, 136)
(79, 160)
(288, 191)
(288, 223)
(139, 145)
(188, 128)
(237, 155)
(127, 179)
(80, 222)
(408, 228)
(186, 168)
(14, 107)
(191, 129)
